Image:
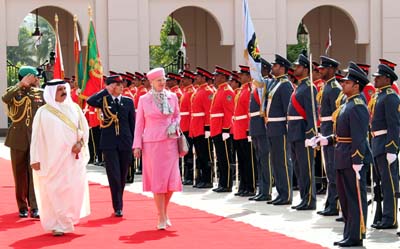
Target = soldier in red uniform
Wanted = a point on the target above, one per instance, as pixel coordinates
(242, 137)
(185, 107)
(392, 65)
(140, 88)
(221, 113)
(132, 87)
(173, 81)
(199, 129)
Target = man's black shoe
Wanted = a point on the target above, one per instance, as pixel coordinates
(340, 219)
(254, 197)
(263, 198)
(223, 190)
(216, 189)
(247, 194)
(350, 243)
(302, 203)
(35, 213)
(282, 202)
(206, 185)
(307, 207)
(23, 213)
(328, 212)
(239, 193)
(385, 226)
(277, 199)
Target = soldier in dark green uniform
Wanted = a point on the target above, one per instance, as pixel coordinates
(23, 100)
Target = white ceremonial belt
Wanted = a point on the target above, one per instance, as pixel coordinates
(254, 114)
(280, 119)
(240, 117)
(294, 118)
(379, 133)
(92, 113)
(327, 118)
(184, 113)
(198, 114)
(216, 115)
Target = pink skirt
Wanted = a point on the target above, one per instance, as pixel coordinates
(160, 173)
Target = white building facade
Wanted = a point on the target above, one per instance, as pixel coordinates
(362, 30)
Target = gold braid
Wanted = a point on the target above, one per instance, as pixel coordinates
(108, 118)
(13, 110)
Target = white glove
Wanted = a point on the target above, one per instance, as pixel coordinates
(323, 141)
(206, 134)
(391, 157)
(357, 168)
(248, 138)
(225, 136)
(310, 142)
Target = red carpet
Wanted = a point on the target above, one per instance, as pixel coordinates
(191, 228)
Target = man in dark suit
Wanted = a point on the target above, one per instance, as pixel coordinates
(22, 101)
(118, 126)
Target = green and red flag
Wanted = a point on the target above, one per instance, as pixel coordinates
(93, 74)
(78, 55)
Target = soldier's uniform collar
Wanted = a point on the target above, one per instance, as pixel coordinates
(352, 97)
(384, 87)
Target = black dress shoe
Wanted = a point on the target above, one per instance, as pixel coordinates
(200, 184)
(206, 185)
(398, 233)
(239, 193)
(385, 226)
(282, 202)
(340, 219)
(223, 190)
(350, 243)
(328, 212)
(336, 243)
(277, 199)
(35, 213)
(307, 207)
(187, 182)
(118, 213)
(263, 198)
(139, 172)
(253, 197)
(215, 189)
(302, 203)
(23, 213)
(248, 193)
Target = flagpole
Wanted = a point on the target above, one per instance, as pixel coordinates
(75, 39)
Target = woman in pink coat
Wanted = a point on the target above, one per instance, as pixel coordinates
(157, 126)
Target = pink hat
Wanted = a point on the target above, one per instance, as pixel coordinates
(156, 73)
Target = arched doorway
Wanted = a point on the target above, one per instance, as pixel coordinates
(66, 32)
(343, 35)
(203, 39)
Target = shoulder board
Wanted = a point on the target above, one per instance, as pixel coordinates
(283, 79)
(358, 101)
(308, 82)
(228, 88)
(335, 84)
(37, 89)
(390, 91)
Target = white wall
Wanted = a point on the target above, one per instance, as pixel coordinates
(3, 57)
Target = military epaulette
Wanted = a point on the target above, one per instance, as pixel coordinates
(283, 79)
(308, 82)
(228, 88)
(390, 91)
(35, 89)
(358, 101)
(335, 84)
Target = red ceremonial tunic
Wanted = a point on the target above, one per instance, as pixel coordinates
(185, 107)
(221, 110)
(241, 114)
(200, 110)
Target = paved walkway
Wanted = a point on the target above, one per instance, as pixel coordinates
(305, 225)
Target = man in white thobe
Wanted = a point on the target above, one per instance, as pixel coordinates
(59, 155)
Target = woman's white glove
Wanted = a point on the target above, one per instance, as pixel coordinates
(357, 168)
(391, 157)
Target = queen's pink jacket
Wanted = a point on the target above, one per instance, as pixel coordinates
(151, 124)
